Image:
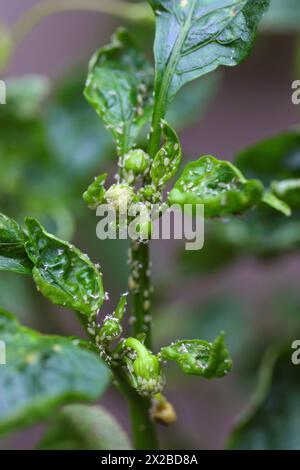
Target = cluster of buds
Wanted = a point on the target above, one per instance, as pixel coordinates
(136, 163)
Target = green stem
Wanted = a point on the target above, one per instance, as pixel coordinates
(141, 288)
(143, 428)
(35, 15)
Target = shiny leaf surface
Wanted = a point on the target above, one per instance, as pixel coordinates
(198, 357)
(217, 184)
(194, 37)
(62, 273)
(120, 86)
(168, 159)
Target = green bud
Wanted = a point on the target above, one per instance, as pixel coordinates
(110, 330)
(150, 194)
(120, 197)
(137, 161)
(144, 369)
(94, 195)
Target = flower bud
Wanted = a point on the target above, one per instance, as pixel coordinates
(137, 162)
(110, 330)
(120, 197)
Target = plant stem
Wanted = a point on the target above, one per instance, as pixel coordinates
(143, 428)
(35, 15)
(141, 287)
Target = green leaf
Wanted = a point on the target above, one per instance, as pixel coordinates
(41, 373)
(198, 357)
(120, 87)
(288, 190)
(194, 37)
(271, 422)
(276, 162)
(94, 195)
(273, 201)
(13, 256)
(62, 273)
(168, 158)
(217, 184)
(283, 16)
(82, 427)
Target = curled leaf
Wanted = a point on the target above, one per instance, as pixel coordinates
(120, 86)
(217, 184)
(62, 273)
(13, 256)
(168, 159)
(198, 357)
(143, 367)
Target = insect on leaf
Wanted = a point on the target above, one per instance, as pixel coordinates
(168, 159)
(120, 87)
(218, 185)
(198, 357)
(62, 273)
(194, 37)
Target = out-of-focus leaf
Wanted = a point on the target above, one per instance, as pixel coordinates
(289, 190)
(216, 254)
(76, 138)
(217, 184)
(194, 37)
(41, 373)
(82, 427)
(276, 162)
(62, 273)
(192, 101)
(25, 95)
(168, 159)
(283, 16)
(273, 201)
(198, 357)
(120, 86)
(13, 256)
(271, 423)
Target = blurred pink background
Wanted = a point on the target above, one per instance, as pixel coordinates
(254, 102)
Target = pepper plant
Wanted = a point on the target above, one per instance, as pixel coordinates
(193, 38)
